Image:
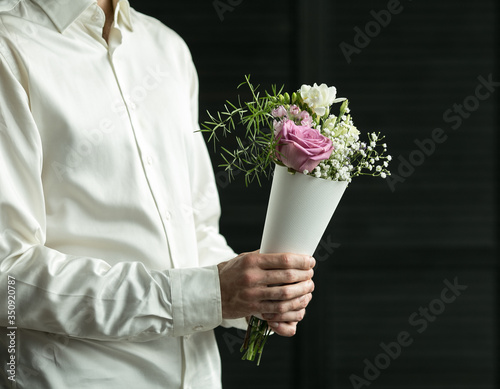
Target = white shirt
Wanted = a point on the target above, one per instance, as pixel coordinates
(108, 206)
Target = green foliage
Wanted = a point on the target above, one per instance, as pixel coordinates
(252, 125)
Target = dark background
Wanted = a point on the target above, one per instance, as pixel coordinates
(387, 251)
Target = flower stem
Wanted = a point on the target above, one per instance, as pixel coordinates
(255, 339)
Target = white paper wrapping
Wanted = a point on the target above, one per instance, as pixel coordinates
(300, 208)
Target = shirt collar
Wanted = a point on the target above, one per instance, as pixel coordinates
(122, 13)
(64, 12)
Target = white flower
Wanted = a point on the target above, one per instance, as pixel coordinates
(347, 132)
(383, 175)
(319, 97)
(389, 158)
(329, 123)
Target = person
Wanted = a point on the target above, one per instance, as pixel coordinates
(113, 273)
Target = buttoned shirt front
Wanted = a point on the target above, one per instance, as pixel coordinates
(108, 206)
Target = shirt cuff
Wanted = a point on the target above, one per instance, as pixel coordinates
(240, 323)
(196, 299)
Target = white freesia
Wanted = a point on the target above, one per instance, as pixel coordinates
(319, 97)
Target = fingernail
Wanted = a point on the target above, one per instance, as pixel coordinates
(273, 324)
(313, 262)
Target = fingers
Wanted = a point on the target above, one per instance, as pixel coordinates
(289, 276)
(287, 261)
(286, 292)
(285, 324)
(287, 316)
(284, 328)
(281, 307)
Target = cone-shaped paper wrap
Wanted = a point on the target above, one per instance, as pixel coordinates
(300, 208)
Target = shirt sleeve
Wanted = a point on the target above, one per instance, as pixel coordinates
(212, 246)
(74, 295)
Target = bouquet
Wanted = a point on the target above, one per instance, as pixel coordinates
(316, 151)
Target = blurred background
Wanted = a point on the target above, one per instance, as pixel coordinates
(393, 246)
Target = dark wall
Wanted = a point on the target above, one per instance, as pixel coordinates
(393, 246)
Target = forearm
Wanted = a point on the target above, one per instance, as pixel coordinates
(88, 298)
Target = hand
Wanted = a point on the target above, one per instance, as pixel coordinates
(274, 286)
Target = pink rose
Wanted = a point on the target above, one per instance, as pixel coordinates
(302, 148)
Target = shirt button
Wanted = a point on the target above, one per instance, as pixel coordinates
(167, 215)
(95, 17)
(149, 160)
(198, 328)
(132, 106)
